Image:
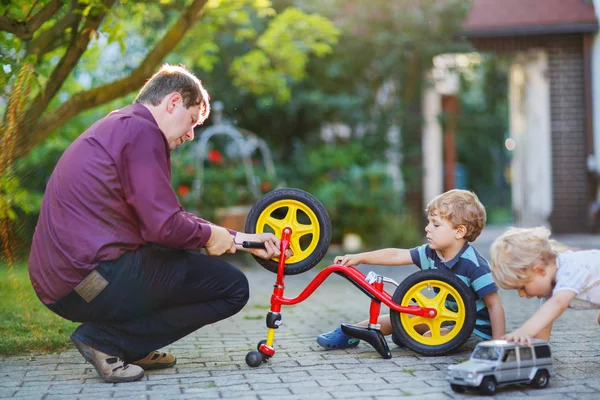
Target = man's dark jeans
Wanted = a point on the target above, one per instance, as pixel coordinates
(154, 297)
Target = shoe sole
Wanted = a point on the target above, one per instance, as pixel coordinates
(328, 346)
(89, 357)
(147, 367)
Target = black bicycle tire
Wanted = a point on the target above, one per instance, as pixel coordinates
(470, 315)
(315, 206)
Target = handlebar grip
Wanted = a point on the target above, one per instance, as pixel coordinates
(253, 245)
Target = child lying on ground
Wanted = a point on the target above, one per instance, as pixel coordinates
(526, 259)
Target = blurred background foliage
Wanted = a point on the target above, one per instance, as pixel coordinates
(283, 69)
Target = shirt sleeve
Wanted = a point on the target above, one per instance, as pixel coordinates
(423, 257)
(203, 221)
(482, 281)
(144, 169)
(572, 274)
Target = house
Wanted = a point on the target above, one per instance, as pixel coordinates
(554, 102)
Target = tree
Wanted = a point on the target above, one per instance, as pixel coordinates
(57, 59)
(47, 42)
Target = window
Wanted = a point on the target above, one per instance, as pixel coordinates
(542, 351)
(509, 355)
(525, 353)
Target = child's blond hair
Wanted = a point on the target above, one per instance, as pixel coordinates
(517, 251)
(460, 207)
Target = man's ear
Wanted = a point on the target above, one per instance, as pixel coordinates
(171, 101)
(461, 231)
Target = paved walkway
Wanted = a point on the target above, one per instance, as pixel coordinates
(211, 361)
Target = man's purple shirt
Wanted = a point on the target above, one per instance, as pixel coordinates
(109, 193)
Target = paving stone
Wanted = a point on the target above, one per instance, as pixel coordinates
(211, 362)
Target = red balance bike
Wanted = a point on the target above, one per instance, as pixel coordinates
(432, 311)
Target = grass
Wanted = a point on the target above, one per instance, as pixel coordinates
(26, 325)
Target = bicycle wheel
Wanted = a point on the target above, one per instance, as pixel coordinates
(305, 215)
(456, 313)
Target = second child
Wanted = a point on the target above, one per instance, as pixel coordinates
(526, 259)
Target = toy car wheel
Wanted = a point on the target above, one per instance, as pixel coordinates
(541, 379)
(457, 388)
(455, 319)
(254, 358)
(260, 344)
(488, 385)
(305, 215)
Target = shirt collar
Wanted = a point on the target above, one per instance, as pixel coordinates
(451, 263)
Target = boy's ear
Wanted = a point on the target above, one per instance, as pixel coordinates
(461, 231)
(539, 269)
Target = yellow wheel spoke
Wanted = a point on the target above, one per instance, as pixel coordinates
(414, 321)
(440, 300)
(290, 218)
(421, 300)
(447, 315)
(295, 245)
(303, 229)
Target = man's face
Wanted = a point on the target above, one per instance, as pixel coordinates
(181, 123)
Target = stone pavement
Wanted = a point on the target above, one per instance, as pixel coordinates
(211, 361)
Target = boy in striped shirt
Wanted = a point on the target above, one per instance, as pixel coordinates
(456, 218)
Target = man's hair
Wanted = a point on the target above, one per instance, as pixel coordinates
(517, 251)
(460, 207)
(175, 78)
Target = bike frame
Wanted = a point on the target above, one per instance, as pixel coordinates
(375, 291)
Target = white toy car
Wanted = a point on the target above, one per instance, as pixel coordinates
(496, 363)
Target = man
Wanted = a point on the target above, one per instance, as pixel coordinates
(113, 248)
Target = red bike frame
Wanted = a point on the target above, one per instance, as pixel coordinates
(375, 290)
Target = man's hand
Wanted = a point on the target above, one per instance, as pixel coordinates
(520, 337)
(272, 244)
(220, 241)
(349, 260)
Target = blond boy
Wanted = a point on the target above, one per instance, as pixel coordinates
(527, 260)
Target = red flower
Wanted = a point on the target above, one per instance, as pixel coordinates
(183, 190)
(265, 186)
(215, 157)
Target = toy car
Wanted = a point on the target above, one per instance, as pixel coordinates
(496, 363)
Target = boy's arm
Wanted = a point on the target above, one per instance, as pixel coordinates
(494, 306)
(544, 333)
(377, 257)
(543, 317)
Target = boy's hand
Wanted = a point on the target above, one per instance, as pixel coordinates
(519, 337)
(349, 260)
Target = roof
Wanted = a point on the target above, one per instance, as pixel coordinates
(507, 344)
(489, 18)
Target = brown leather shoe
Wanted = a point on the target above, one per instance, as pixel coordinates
(111, 369)
(157, 360)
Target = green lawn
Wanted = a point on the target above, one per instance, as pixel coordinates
(26, 326)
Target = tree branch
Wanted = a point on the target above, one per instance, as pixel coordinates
(37, 131)
(25, 29)
(47, 41)
(60, 73)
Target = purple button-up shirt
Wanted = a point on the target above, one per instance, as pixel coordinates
(109, 193)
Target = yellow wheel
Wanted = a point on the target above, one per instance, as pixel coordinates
(305, 215)
(455, 306)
